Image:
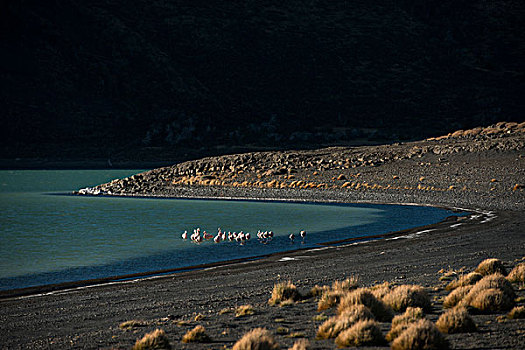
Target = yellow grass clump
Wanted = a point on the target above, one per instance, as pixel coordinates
(456, 320)
(491, 266)
(301, 344)
(244, 310)
(329, 299)
(406, 295)
(336, 324)
(381, 290)
(363, 296)
(284, 291)
(465, 280)
(500, 295)
(455, 297)
(154, 340)
(346, 285)
(362, 333)
(517, 312)
(420, 335)
(403, 321)
(132, 324)
(196, 335)
(517, 275)
(257, 339)
(318, 291)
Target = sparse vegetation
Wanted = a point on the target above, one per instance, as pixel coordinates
(284, 291)
(361, 333)
(336, 324)
(404, 296)
(403, 321)
(155, 340)
(244, 310)
(491, 266)
(420, 335)
(301, 344)
(329, 299)
(317, 291)
(517, 312)
(500, 297)
(381, 311)
(381, 290)
(132, 324)
(196, 335)
(465, 280)
(517, 275)
(346, 285)
(456, 320)
(258, 338)
(454, 297)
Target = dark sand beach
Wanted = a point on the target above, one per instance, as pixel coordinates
(482, 173)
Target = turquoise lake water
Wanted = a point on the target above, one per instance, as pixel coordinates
(47, 238)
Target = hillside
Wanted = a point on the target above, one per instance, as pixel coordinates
(175, 80)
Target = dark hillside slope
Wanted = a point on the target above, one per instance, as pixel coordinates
(99, 78)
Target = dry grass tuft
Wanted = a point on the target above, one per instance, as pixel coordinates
(196, 335)
(132, 324)
(465, 280)
(381, 290)
(403, 321)
(284, 291)
(301, 344)
(336, 324)
(363, 296)
(456, 320)
(346, 285)
(154, 340)
(329, 299)
(317, 291)
(258, 338)
(420, 335)
(517, 312)
(360, 334)
(517, 275)
(406, 295)
(455, 297)
(491, 300)
(491, 266)
(244, 310)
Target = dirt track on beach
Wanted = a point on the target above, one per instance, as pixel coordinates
(486, 180)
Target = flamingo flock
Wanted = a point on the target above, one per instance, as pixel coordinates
(240, 237)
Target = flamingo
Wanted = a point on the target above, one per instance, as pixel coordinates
(303, 235)
(185, 235)
(217, 238)
(292, 237)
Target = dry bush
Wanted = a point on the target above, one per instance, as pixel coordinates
(465, 280)
(380, 290)
(244, 310)
(360, 334)
(284, 291)
(491, 300)
(301, 344)
(420, 335)
(517, 312)
(455, 297)
(346, 285)
(256, 339)
(196, 335)
(329, 299)
(517, 275)
(336, 324)
(132, 324)
(365, 297)
(154, 340)
(456, 320)
(403, 321)
(491, 266)
(406, 295)
(317, 291)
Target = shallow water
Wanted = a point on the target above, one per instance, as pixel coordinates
(47, 238)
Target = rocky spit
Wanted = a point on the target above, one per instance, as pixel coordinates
(481, 170)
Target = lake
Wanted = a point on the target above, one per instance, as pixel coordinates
(48, 237)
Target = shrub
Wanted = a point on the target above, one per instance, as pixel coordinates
(284, 291)
(491, 300)
(346, 285)
(465, 280)
(132, 324)
(360, 334)
(244, 310)
(301, 344)
(380, 290)
(517, 313)
(455, 297)
(336, 324)
(517, 274)
(154, 340)
(420, 335)
(318, 291)
(364, 297)
(402, 322)
(196, 335)
(456, 320)
(495, 281)
(404, 296)
(258, 338)
(329, 299)
(491, 266)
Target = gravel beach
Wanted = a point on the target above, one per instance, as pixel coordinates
(482, 171)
